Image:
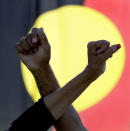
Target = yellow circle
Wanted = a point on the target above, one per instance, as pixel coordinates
(69, 29)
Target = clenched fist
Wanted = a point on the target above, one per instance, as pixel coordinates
(34, 49)
(98, 53)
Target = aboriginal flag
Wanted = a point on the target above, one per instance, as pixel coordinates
(69, 26)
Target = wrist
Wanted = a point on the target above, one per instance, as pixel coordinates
(90, 74)
(43, 69)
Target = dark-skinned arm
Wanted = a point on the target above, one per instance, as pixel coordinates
(44, 76)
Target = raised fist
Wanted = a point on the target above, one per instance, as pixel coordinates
(34, 49)
(98, 53)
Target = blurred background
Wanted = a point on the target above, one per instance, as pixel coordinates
(69, 25)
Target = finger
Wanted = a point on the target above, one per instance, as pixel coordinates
(42, 37)
(30, 43)
(24, 44)
(34, 35)
(19, 49)
(92, 47)
(104, 45)
(97, 47)
(111, 50)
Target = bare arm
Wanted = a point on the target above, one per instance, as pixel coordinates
(59, 100)
(70, 119)
(37, 60)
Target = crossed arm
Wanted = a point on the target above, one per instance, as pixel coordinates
(44, 75)
(69, 119)
(34, 51)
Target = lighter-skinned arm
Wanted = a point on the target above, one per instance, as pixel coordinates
(58, 101)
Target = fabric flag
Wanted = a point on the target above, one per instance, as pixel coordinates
(105, 104)
(69, 26)
(113, 112)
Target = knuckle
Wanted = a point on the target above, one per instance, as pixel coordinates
(22, 38)
(107, 43)
(90, 44)
(41, 29)
(104, 42)
(34, 30)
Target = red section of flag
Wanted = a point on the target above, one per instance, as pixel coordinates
(113, 112)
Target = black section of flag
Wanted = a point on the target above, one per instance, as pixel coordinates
(16, 18)
(45, 5)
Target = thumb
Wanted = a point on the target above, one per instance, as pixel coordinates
(111, 50)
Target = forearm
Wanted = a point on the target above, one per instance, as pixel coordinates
(47, 84)
(59, 100)
(45, 80)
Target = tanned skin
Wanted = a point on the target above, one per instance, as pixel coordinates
(34, 51)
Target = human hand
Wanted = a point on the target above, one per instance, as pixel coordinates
(34, 50)
(98, 53)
